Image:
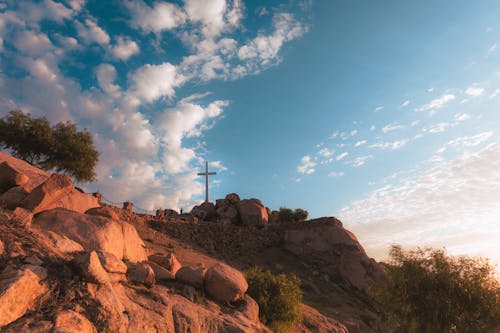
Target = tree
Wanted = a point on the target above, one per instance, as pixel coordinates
(61, 148)
(288, 216)
(428, 291)
(279, 297)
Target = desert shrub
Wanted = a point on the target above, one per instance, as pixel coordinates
(428, 291)
(279, 297)
(289, 216)
(61, 147)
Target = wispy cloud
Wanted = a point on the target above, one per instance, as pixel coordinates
(342, 156)
(360, 143)
(359, 161)
(405, 103)
(436, 104)
(379, 108)
(392, 145)
(392, 127)
(306, 166)
(474, 91)
(336, 174)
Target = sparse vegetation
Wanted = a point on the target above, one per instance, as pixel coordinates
(429, 291)
(61, 147)
(288, 216)
(279, 297)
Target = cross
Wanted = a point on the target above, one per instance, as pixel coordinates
(206, 174)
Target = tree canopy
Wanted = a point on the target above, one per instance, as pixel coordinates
(60, 147)
(428, 291)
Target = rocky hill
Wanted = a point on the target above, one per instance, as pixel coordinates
(71, 264)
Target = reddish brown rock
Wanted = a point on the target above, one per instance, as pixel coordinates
(168, 261)
(252, 212)
(22, 217)
(19, 291)
(76, 201)
(10, 176)
(161, 273)
(47, 193)
(13, 197)
(111, 263)
(2, 248)
(35, 175)
(91, 268)
(72, 322)
(225, 283)
(192, 275)
(103, 211)
(249, 308)
(62, 243)
(141, 273)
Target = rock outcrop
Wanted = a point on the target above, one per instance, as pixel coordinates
(225, 283)
(10, 176)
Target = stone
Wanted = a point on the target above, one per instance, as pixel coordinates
(63, 243)
(141, 273)
(249, 308)
(13, 197)
(47, 193)
(233, 198)
(35, 175)
(225, 283)
(192, 275)
(111, 263)
(91, 268)
(10, 176)
(252, 212)
(22, 217)
(230, 213)
(76, 200)
(72, 322)
(205, 211)
(94, 232)
(103, 211)
(19, 291)
(168, 261)
(161, 273)
(2, 248)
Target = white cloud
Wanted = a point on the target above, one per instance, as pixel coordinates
(360, 143)
(392, 127)
(467, 141)
(353, 132)
(151, 82)
(474, 91)
(336, 174)
(373, 128)
(342, 156)
(495, 93)
(461, 117)
(124, 48)
(218, 166)
(436, 104)
(306, 166)
(161, 16)
(415, 123)
(91, 32)
(393, 145)
(492, 48)
(359, 161)
(434, 207)
(379, 108)
(405, 103)
(33, 43)
(106, 76)
(325, 152)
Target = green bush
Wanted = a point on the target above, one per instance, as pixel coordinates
(279, 297)
(288, 216)
(428, 291)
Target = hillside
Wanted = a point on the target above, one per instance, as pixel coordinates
(69, 263)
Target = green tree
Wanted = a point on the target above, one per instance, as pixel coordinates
(288, 216)
(279, 297)
(300, 215)
(61, 148)
(428, 291)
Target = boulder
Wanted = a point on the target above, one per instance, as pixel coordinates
(168, 261)
(225, 283)
(141, 273)
(170, 213)
(205, 211)
(233, 198)
(192, 275)
(72, 322)
(93, 232)
(111, 263)
(91, 268)
(63, 243)
(161, 273)
(47, 193)
(103, 211)
(19, 291)
(35, 175)
(229, 213)
(249, 308)
(76, 201)
(2, 248)
(13, 197)
(10, 176)
(252, 212)
(22, 217)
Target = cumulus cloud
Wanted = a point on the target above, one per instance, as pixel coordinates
(151, 82)
(106, 75)
(90, 32)
(434, 207)
(306, 166)
(474, 91)
(161, 16)
(124, 48)
(436, 104)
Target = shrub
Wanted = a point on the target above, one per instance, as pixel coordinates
(288, 216)
(428, 291)
(279, 297)
(61, 148)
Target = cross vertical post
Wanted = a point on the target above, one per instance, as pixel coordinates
(206, 174)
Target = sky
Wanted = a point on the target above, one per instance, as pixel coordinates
(384, 114)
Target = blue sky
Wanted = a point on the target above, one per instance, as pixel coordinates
(382, 113)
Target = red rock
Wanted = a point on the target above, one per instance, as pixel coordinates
(13, 197)
(47, 193)
(103, 211)
(192, 275)
(91, 268)
(252, 212)
(169, 261)
(141, 273)
(72, 322)
(225, 283)
(10, 176)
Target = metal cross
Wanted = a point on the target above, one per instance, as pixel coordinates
(206, 174)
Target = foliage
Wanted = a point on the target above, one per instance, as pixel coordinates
(287, 216)
(61, 148)
(279, 297)
(430, 292)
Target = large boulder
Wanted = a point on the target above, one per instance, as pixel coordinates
(192, 275)
(168, 261)
(69, 321)
(252, 212)
(161, 273)
(10, 176)
(225, 283)
(103, 211)
(47, 193)
(325, 243)
(13, 197)
(19, 290)
(35, 175)
(205, 211)
(76, 200)
(91, 268)
(93, 232)
(141, 273)
(62, 243)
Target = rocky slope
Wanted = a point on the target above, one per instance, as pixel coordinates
(68, 264)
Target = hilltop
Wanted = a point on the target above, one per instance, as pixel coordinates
(70, 263)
